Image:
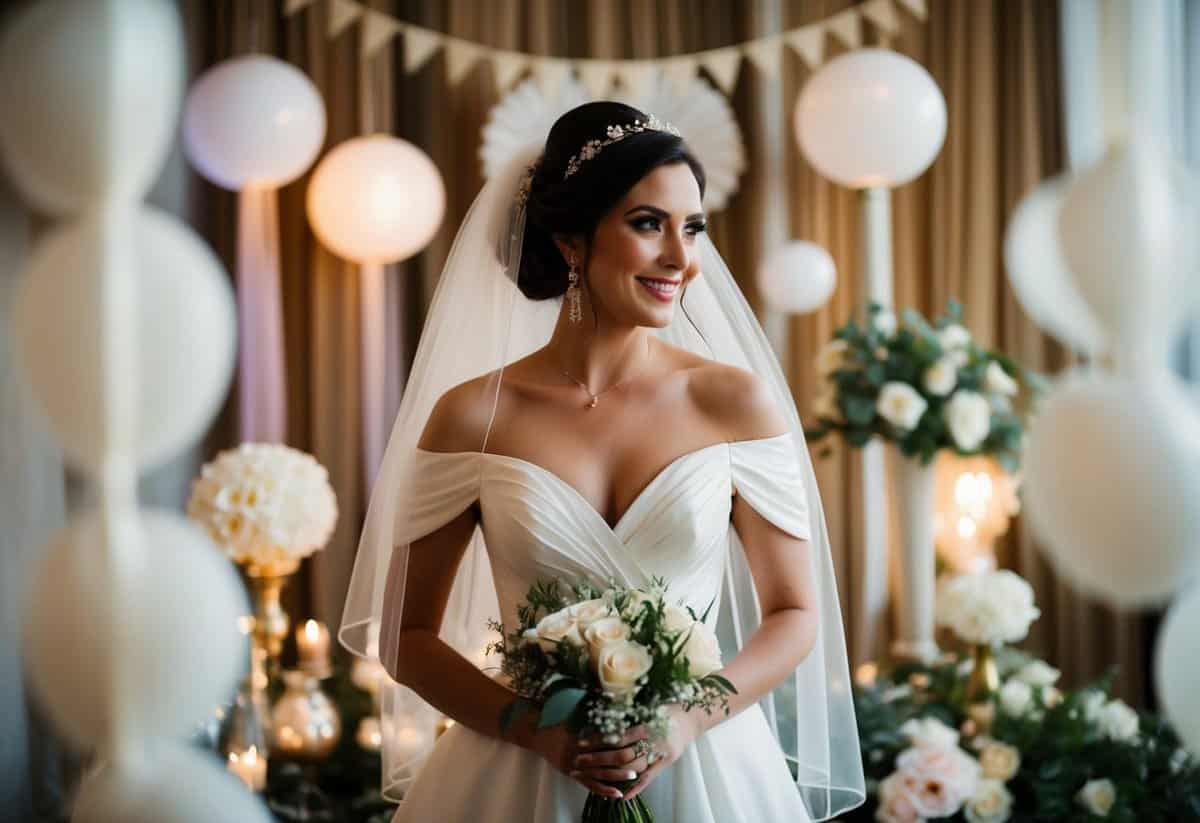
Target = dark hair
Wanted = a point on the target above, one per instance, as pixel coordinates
(577, 204)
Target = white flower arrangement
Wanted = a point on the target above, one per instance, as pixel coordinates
(266, 505)
(987, 607)
(924, 387)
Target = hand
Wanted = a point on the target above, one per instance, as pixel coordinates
(603, 762)
(684, 729)
(559, 748)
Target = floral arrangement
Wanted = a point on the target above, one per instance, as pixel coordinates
(265, 504)
(609, 661)
(1034, 754)
(924, 387)
(987, 608)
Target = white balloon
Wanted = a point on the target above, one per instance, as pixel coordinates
(253, 120)
(1177, 668)
(1111, 480)
(84, 117)
(1128, 227)
(376, 199)
(177, 612)
(869, 118)
(1038, 271)
(170, 784)
(797, 277)
(186, 320)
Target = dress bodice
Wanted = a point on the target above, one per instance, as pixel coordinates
(537, 526)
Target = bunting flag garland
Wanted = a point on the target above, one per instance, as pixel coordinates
(601, 77)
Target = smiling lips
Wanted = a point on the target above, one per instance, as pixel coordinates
(663, 290)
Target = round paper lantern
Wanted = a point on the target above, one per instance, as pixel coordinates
(376, 199)
(185, 320)
(871, 118)
(253, 121)
(1128, 234)
(1038, 272)
(1111, 479)
(798, 277)
(169, 784)
(83, 116)
(1177, 668)
(182, 588)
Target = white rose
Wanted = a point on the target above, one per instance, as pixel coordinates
(558, 626)
(1000, 761)
(600, 633)
(589, 610)
(703, 651)
(1039, 673)
(832, 357)
(621, 664)
(929, 731)
(885, 323)
(940, 378)
(1119, 722)
(997, 381)
(1016, 697)
(676, 619)
(1097, 796)
(954, 338)
(1051, 697)
(992, 803)
(826, 407)
(969, 418)
(901, 405)
(1093, 703)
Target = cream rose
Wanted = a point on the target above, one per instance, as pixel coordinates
(941, 378)
(929, 731)
(1039, 673)
(1000, 761)
(901, 405)
(992, 803)
(703, 651)
(954, 338)
(1119, 722)
(600, 633)
(621, 665)
(1097, 796)
(561, 625)
(997, 381)
(1016, 697)
(589, 611)
(969, 418)
(896, 800)
(944, 778)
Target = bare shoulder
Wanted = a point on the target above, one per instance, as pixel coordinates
(739, 402)
(459, 419)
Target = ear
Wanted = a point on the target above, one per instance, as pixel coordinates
(570, 246)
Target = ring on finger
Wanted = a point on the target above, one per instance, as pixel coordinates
(641, 748)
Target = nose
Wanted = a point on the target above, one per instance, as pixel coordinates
(674, 254)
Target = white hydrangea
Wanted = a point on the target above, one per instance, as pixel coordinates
(969, 418)
(987, 607)
(265, 503)
(901, 405)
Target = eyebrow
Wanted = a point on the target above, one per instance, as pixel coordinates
(657, 212)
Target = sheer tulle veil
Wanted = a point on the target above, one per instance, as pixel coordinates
(477, 322)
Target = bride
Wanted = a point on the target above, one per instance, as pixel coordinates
(592, 399)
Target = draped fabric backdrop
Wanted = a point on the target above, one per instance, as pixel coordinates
(995, 60)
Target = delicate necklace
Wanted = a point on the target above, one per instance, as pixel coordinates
(596, 397)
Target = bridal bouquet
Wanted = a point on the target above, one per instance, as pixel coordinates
(924, 386)
(609, 661)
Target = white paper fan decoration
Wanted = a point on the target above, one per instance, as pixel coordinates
(523, 117)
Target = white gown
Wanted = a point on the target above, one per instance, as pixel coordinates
(536, 526)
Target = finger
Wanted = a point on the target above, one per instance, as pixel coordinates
(594, 786)
(608, 757)
(645, 780)
(610, 775)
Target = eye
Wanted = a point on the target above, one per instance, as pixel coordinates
(641, 223)
(697, 228)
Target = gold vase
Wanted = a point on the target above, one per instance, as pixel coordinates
(982, 685)
(270, 620)
(305, 722)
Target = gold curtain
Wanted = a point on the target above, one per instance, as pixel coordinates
(995, 60)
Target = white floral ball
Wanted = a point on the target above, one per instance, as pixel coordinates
(987, 607)
(265, 503)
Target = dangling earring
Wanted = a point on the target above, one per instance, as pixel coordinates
(574, 312)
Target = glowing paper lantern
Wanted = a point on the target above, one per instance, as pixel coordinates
(871, 118)
(253, 121)
(1110, 476)
(84, 118)
(376, 199)
(798, 277)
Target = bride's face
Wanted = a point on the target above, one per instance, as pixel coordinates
(645, 250)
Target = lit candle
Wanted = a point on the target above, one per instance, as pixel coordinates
(312, 642)
(250, 767)
(370, 736)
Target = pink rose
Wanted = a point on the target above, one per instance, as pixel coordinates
(943, 778)
(896, 802)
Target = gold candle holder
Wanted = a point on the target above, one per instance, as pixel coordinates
(270, 620)
(305, 721)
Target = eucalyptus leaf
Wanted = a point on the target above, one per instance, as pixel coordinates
(559, 707)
